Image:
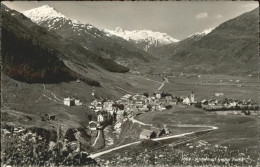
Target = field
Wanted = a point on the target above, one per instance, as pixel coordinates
(21, 99)
(182, 86)
(233, 130)
(234, 143)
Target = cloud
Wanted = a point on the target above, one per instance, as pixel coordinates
(202, 15)
(219, 16)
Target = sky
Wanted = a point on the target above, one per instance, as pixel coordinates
(179, 19)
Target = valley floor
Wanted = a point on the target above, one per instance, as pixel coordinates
(25, 104)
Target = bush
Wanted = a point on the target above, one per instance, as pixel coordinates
(90, 82)
(32, 150)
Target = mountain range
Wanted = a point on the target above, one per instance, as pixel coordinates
(210, 51)
(88, 36)
(144, 39)
(53, 20)
(31, 53)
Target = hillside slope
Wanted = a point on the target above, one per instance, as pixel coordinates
(231, 48)
(32, 54)
(166, 51)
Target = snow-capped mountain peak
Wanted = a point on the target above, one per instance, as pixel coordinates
(43, 13)
(54, 20)
(146, 38)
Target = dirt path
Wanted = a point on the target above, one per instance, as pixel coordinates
(161, 86)
(56, 99)
(165, 80)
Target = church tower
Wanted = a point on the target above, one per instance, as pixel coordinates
(192, 97)
(93, 93)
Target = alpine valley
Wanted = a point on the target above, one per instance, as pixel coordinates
(75, 94)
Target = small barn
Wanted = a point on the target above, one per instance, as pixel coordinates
(159, 131)
(147, 134)
(52, 117)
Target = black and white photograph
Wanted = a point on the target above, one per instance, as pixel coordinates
(130, 83)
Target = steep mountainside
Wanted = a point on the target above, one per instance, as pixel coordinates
(168, 50)
(32, 54)
(231, 48)
(25, 58)
(89, 37)
(144, 39)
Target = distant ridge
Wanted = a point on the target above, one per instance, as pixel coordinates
(147, 38)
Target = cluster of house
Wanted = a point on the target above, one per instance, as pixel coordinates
(72, 102)
(228, 104)
(132, 105)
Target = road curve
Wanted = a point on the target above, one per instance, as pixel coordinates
(156, 139)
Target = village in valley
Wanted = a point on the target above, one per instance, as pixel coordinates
(116, 112)
(110, 119)
(156, 91)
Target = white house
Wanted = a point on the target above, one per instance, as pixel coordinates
(186, 100)
(158, 95)
(126, 97)
(78, 103)
(92, 125)
(69, 101)
(233, 104)
(219, 94)
(100, 118)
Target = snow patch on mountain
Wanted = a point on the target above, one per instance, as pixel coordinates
(147, 36)
(203, 33)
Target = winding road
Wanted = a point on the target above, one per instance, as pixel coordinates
(96, 139)
(210, 128)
